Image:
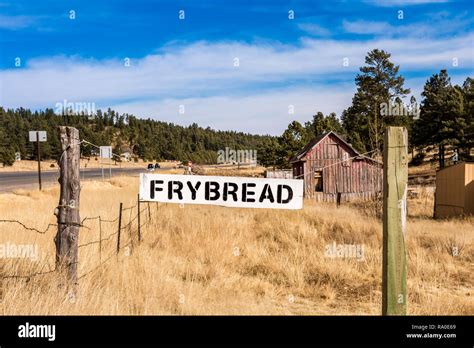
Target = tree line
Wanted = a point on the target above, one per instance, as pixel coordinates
(443, 119)
(147, 139)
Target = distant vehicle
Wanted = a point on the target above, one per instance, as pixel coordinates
(157, 166)
(150, 167)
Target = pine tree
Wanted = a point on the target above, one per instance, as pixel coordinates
(379, 83)
(321, 124)
(291, 141)
(467, 142)
(442, 119)
(267, 152)
(7, 152)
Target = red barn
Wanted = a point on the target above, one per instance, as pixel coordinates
(333, 170)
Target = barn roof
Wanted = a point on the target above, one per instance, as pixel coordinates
(302, 153)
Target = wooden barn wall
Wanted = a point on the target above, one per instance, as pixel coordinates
(360, 176)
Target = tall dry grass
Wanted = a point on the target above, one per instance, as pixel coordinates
(215, 260)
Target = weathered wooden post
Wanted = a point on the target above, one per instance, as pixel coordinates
(67, 212)
(395, 178)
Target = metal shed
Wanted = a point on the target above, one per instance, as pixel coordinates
(455, 190)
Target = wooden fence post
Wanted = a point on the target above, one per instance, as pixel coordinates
(119, 228)
(67, 212)
(395, 178)
(138, 216)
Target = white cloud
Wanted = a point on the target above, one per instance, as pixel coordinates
(439, 25)
(15, 22)
(314, 29)
(264, 113)
(389, 3)
(366, 27)
(253, 96)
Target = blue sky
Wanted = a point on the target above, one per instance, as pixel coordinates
(242, 65)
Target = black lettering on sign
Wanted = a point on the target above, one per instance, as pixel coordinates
(267, 194)
(246, 192)
(177, 189)
(214, 190)
(280, 194)
(193, 189)
(154, 188)
(228, 191)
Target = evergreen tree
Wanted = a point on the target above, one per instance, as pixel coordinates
(442, 120)
(466, 143)
(379, 83)
(267, 152)
(7, 152)
(293, 139)
(322, 124)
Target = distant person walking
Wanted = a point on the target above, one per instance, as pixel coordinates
(189, 169)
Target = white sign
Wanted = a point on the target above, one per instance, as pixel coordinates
(41, 135)
(17, 156)
(106, 152)
(221, 190)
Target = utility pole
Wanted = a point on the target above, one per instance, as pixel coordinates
(67, 212)
(395, 178)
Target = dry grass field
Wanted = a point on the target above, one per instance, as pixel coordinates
(215, 260)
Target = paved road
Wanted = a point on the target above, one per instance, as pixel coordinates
(10, 181)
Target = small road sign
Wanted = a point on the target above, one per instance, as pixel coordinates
(106, 152)
(37, 135)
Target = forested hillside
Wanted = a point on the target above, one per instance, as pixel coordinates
(147, 139)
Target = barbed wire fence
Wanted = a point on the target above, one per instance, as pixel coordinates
(122, 227)
(125, 230)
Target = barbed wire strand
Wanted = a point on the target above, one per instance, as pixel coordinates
(28, 228)
(130, 242)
